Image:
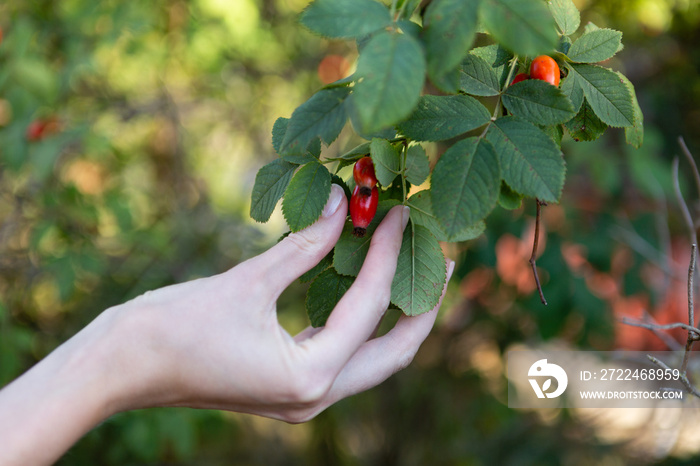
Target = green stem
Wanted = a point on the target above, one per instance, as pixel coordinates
(403, 7)
(514, 62)
(498, 110)
(393, 9)
(404, 155)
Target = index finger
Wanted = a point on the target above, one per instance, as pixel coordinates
(361, 308)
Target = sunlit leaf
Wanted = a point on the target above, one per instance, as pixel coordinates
(270, 183)
(391, 68)
(345, 19)
(306, 196)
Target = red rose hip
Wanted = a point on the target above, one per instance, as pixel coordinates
(363, 172)
(363, 207)
(546, 69)
(520, 77)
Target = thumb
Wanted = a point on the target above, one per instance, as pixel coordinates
(280, 265)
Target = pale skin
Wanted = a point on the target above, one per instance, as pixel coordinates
(216, 343)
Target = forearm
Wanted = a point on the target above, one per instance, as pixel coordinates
(56, 402)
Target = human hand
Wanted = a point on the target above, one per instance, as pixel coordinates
(216, 342)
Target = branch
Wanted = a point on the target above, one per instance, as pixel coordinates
(632, 239)
(534, 250)
(684, 207)
(692, 335)
(665, 337)
(636, 323)
(690, 159)
(684, 379)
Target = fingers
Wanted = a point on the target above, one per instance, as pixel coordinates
(377, 359)
(280, 265)
(358, 312)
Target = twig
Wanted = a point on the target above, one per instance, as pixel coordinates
(684, 379)
(665, 337)
(693, 332)
(684, 207)
(692, 336)
(631, 238)
(692, 233)
(635, 323)
(534, 250)
(689, 157)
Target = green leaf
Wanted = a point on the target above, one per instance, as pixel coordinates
(498, 58)
(386, 161)
(539, 102)
(417, 165)
(279, 129)
(420, 272)
(324, 294)
(449, 82)
(345, 19)
(594, 46)
(270, 183)
(322, 116)
(509, 199)
(477, 77)
(555, 132)
(409, 8)
(392, 71)
(449, 29)
(465, 184)
(634, 135)
(566, 15)
(585, 126)
(437, 118)
(531, 163)
(607, 93)
(300, 158)
(570, 87)
(306, 196)
(335, 179)
(525, 27)
(421, 205)
(350, 251)
(326, 262)
(590, 26)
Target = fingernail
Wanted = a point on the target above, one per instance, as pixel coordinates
(334, 199)
(450, 269)
(405, 215)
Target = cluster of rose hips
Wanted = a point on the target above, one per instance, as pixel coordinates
(542, 67)
(365, 197)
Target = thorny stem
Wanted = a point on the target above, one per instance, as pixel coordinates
(534, 250)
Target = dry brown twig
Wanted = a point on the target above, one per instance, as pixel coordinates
(690, 327)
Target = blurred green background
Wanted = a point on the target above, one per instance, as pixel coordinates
(158, 115)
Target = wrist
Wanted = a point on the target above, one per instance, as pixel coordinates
(78, 382)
